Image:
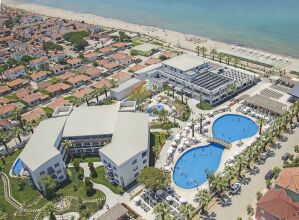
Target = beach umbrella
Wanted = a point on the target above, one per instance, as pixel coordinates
(184, 139)
(169, 198)
(170, 150)
(186, 128)
(167, 168)
(189, 124)
(182, 200)
(187, 143)
(136, 199)
(194, 139)
(174, 144)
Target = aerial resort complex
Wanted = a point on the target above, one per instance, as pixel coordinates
(106, 122)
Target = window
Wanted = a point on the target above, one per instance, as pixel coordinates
(42, 173)
(134, 161)
(60, 178)
(136, 174)
(56, 164)
(135, 168)
(105, 162)
(144, 161)
(115, 175)
(58, 171)
(114, 168)
(144, 154)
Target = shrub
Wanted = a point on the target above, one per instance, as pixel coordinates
(259, 195)
(249, 210)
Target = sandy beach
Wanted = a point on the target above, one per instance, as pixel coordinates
(172, 38)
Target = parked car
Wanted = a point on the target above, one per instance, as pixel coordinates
(269, 175)
(235, 187)
(286, 156)
(264, 156)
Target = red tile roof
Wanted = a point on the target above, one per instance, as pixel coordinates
(33, 115)
(79, 94)
(57, 87)
(16, 82)
(58, 102)
(136, 68)
(101, 84)
(78, 78)
(277, 203)
(7, 108)
(289, 179)
(4, 89)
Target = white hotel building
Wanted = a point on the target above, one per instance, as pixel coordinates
(199, 78)
(115, 132)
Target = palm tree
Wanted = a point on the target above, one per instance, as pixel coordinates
(220, 57)
(230, 174)
(49, 211)
(95, 94)
(5, 136)
(3, 215)
(162, 210)
(220, 183)
(240, 161)
(198, 50)
(203, 197)
(16, 132)
(105, 90)
(228, 59)
(17, 116)
(213, 53)
(68, 145)
(187, 211)
(261, 122)
(29, 125)
(203, 51)
(236, 61)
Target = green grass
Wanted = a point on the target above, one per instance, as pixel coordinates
(183, 110)
(159, 124)
(53, 80)
(101, 179)
(12, 97)
(157, 140)
(87, 159)
(204, 106)
(68, 190)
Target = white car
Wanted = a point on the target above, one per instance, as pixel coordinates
(235, 187)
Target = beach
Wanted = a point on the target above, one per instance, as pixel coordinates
(172, 38)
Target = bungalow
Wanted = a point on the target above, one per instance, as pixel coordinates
(7, 110)
(82, 92)
(66, 75)
(100, 37)
(276, 205)
(4, 90)
(92, 56)
(35, 99)
(58, 89)
(4, 52)
(94, 72)
(23, 93)
(58, 69)
(121, 45)
(14, 73)
(105, 51)
(122, 58)
(18, 55)
(112, 66)
(78, 80)
(152, 61)
(136, 68)
(34, 115)
(17, 83)
(101, 84)
(74, 63)
(57, 55)
(120, 76)
(83, 69)
(58, 102)
(288, 179)
(39, 62)
(39, 76)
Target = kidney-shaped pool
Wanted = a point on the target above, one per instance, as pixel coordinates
(190, 169)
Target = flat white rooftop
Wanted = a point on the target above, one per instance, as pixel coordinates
(185, 62)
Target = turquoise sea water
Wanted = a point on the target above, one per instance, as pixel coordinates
(271, 25)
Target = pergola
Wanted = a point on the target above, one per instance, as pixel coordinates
(266, 104)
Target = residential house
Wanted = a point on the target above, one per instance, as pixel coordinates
(152, 61)
(17, 83)
(94, 72)
(120, 76)
(121, 45)
(57, 55)
(122, 58)
(288, 179)
(14, 73)
(75, 62)
(34, 115)
(83, 69)
(146, 49)
(58, 103)
(66, 75)
(18, 55)
(23, 92)
(105, 51)
(39, 62)
(58, 69)
(136, 68)
(7, 110)
(82, 92)
(101, 84)
(78, 80)
(276, 205)
(100, 37)
(4, 90)
(112, 66)
(92, 56)
(58, 89)
(39, 76)
(35, 99)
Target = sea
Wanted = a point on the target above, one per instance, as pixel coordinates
(271, 25)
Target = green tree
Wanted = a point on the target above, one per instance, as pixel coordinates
(5, 136)
(228, 59)
(213, 53)
(203, 51)
(29, 125)
(187, 211)
(51, 46)
(154, 178)
(161, 210)
(48, 185)
(88, 185)
(3, 215)
(203, 197)
(261, 122)
(220, 57)
(16, 131)
(259, 195)
(76, 164)
(220, 183)
(276, 171)
(49, 211)
(140, 95)
(68, 145)
(236, 61)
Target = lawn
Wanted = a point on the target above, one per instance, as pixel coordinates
(204, 106)
(101, 179)
(157, 140)
(87, 159)
(183, 110)
(166, 125)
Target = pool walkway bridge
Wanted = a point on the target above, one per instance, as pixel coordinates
(224, 143)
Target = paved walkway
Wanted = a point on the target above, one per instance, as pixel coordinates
(236, 206)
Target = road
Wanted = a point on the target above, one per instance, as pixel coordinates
(236, 205)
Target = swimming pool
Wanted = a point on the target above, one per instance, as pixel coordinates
(189, 170)
(150, 110)
(232, 127)
(17, 168)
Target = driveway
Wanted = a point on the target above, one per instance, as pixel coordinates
(236, 205)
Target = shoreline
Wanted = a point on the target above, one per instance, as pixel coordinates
(181, 40)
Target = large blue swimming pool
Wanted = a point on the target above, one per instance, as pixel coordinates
(189, 170)
(233, 127)
(158, 107)
(17, 168)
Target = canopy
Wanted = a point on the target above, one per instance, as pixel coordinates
(169, 198)
(186, 128)
(187, 143)
(183, 200)
(189, 124)
(136, 199)
(170, 150)
(167, 168)
(174, 143)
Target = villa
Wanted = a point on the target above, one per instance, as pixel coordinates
(200, 78)
(115, 132)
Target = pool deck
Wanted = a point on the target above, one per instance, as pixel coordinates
(189, 194)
